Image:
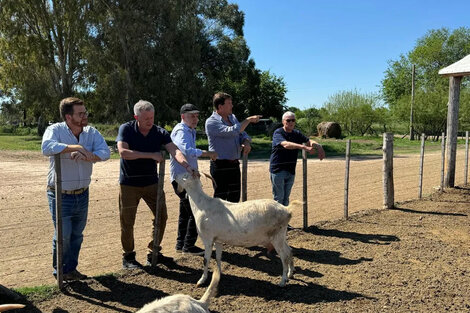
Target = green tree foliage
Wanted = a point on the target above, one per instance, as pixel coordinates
(115, 52)
(40, 53)
(355, 112)
(434, 51)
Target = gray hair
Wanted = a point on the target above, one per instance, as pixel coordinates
(287, 114)
(141, 106)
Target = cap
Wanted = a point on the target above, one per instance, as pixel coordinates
(189, 108)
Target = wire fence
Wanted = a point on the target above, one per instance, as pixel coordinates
(26, 226)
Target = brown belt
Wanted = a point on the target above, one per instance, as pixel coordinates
(69, 192)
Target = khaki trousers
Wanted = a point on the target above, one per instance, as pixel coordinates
(129, 198)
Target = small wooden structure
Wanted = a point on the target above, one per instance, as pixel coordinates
(455, 72)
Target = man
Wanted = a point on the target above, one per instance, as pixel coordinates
(227, 137)
(286, 143)
(139, 143)
(79, 147)
(184, 137)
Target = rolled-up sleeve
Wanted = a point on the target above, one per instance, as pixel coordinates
(183, 140)
(50, 142)
(100, 147)
(217, 128)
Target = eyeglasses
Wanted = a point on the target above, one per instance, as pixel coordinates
(288, 120)
(82, 114)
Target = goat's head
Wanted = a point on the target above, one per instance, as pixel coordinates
(186, 180)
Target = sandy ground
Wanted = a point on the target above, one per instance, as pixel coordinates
(415, 258)
(26, 227)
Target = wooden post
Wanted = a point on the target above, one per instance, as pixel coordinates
(58, 221)
(443, 158)
(346, 179)
(389, 191)
(412, 132)
(466, 158)
(452, 127)
(421, 163)
(156, 223)
(304, 187)
(244, 177)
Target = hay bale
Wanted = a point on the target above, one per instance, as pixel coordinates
(329, 130)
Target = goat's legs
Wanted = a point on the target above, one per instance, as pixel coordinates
(218, 255)
(278, 244)
(207, 257)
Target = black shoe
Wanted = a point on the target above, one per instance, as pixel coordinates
(161, 259)
(193, 251)
(129, 262)
(179, 250)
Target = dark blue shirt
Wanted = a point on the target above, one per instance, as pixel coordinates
(283, 159)
(141, 172)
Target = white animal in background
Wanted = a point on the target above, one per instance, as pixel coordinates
(183, 303)
(246, 224)
(6, 307)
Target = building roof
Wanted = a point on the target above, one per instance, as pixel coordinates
(459, 68)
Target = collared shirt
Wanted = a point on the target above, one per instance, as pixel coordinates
(225, 139)
(140, 172)
(184, 137)
(283, 159)
(75, 174)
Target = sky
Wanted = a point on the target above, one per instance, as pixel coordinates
(321, 47)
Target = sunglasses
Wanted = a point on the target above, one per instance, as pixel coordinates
(288, 120)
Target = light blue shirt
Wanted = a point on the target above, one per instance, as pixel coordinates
(184, 137)
(225, 139)
(75, 174)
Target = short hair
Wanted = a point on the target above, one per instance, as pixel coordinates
(141, 106)
(66, 106)
(219, 99)
(288, 113)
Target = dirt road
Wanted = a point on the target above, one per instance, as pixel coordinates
(26, 227)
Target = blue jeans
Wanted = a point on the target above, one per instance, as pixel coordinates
(74, 217)
(282, 183)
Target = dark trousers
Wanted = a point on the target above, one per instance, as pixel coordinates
(187, 231)
(226, 174)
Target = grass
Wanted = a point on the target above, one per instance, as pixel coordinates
(39, 293)
(261, 145)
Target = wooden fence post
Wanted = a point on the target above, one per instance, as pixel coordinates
(304, 186)
(443, 159)
(244, 177)
(346, 179)
(156, 223)
(389, 191)
(58, 221)
(466, 158)
(452, 128)
(421, 163)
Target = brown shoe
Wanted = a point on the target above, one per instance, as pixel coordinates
(74, 275)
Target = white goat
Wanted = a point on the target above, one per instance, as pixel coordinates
(6, 307)
(251, 223)
(183, 303)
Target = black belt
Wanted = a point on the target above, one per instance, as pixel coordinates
(226, 161)
(69, 192)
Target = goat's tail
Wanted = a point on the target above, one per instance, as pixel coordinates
(296, 204)
(6, 307)
(211, 291)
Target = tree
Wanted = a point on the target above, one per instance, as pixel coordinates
(434, 51)
(40, 52)
(355, 112)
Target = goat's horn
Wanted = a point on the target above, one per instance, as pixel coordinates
(211, 178)
(6, 307)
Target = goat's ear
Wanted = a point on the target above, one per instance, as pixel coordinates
(179, 188)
